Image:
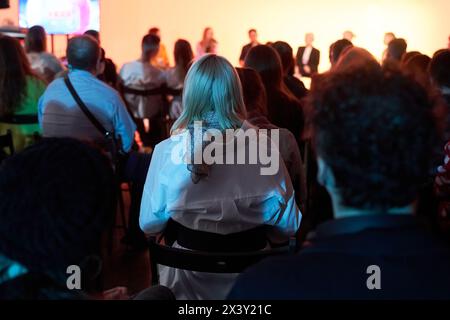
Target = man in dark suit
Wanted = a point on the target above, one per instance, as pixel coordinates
(372, 161)
(308, 57)
(253, 36)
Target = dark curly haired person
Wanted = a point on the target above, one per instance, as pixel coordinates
(373, 135)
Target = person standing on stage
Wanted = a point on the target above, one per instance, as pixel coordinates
(253, 35)
(308, 57)
(208, 44)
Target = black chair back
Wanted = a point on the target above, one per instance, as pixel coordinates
(211, 262)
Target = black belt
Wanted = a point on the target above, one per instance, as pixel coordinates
(249, 240)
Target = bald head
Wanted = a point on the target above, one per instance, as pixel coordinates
(83, 53)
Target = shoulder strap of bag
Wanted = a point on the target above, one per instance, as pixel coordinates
(85, 109)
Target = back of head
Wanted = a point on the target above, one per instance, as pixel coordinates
(14, 68)
(286, 54)
(83, 53)
(212, 85)
(36, 40)
(440, 69)
(266, 61)
(354, 56)
(337, 48)
(56, 198)
(183, 56)
(408, 55)
(374, 129)
(417, 66)
(150, 46)
(94, 34)
(154, 31)
(254, 92)
(396, 49)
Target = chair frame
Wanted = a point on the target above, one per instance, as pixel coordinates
(212, 262)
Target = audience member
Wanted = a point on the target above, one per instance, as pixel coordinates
(108, 72)
(42, 62)
(337, 48)
(294, 84)
(183, 56)
(61, 116)
(354, 56)
(417, 67)
(203, 197)
(65, 191)
(255, 100)
(253, 36)
(20, 90)
(396, 49)
(373, 180)
(308, 57)
(141, 75)
(161, 60)
(285, 111)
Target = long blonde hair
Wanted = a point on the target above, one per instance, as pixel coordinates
(212, 84)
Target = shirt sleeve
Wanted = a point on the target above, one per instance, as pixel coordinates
(286, 218)
(153, 216)
(124, 125)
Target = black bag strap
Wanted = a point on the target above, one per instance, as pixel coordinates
(85, 109)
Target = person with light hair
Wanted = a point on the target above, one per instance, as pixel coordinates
(218, 206)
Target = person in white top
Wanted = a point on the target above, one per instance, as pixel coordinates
(175, 76)
(45, 64)
(220, 198)
(141, 75)
(207, 45)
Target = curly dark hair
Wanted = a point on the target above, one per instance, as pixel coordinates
(56, 199)
(374, 128)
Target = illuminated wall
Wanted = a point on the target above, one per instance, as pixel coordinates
(424, 23)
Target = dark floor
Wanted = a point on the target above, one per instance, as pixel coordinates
(121, 265)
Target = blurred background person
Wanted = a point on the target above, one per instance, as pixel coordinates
(285, 110)
(388, 37)
(253, 36)
(396, 50)
(183, 57)
(45, 64)
(161, 60)
(206, 44)
(348, 35)
(337, 48)
(140, 74)
(308, 57)
(20, 90)
(256, 104)
(295, 85)
(108, 72)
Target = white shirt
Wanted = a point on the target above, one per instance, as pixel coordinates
(231, 199)
(306, 55)
(139, 75)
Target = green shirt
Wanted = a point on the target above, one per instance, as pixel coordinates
(23, 133)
